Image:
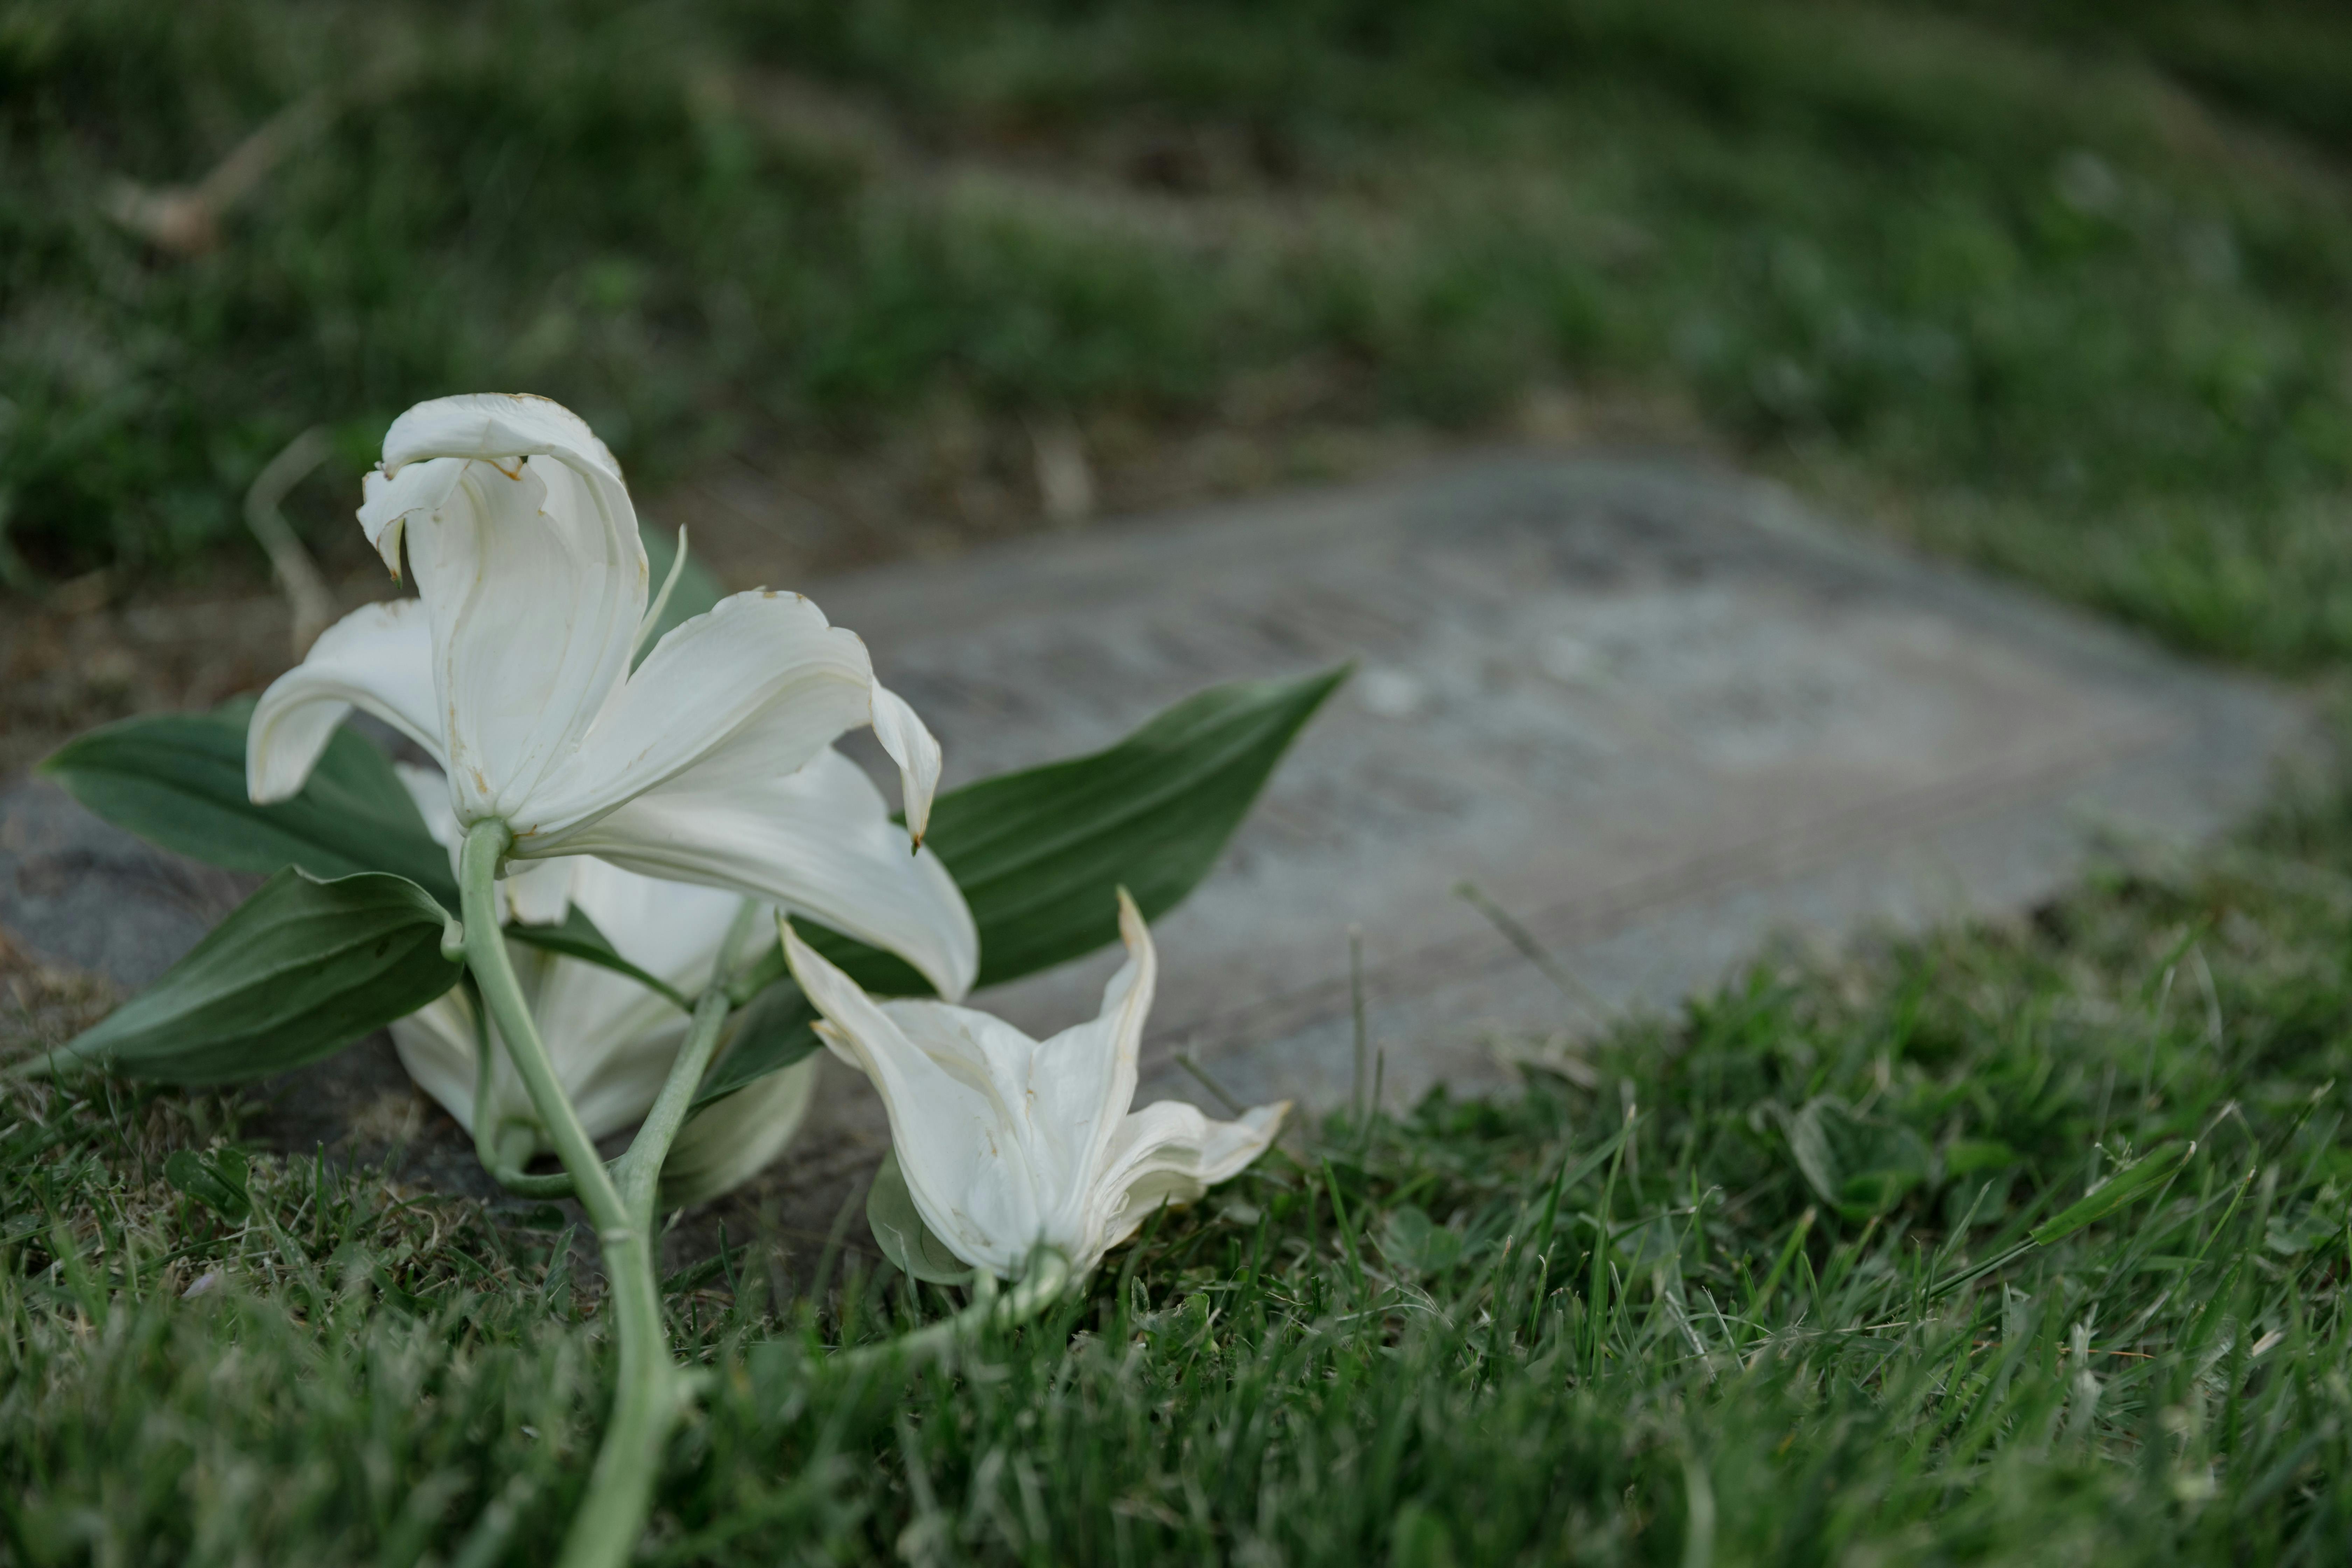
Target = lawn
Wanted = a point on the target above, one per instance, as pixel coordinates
(2056, 290)
(1714, 1308)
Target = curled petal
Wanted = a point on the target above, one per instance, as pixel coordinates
(917, 753)
(818, 842)
(535, 589)
(378, 659)
(525, 547)
(386, 502)
(498, 427)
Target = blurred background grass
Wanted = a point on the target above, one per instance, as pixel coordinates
(2055, 287)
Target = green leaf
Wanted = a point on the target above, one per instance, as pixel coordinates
(899, 1231)
(178, 779)
(1040, 854)
(1861, 1165)
(1417, 1243)
(218, 1182)
(770, 1035)
(578, 938)
(296, 972)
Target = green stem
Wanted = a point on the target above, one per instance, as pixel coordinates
(503, 1144)
(640, 1169)
(1047, 1278)
(653, 1389)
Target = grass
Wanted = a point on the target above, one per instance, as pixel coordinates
(1468, 1332)
(2057, 288)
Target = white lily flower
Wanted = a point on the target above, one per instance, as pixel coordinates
(1008, 1143)
(611, 1039)
(711, 763)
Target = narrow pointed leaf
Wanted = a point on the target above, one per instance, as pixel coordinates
(178, 779)
(1040, 854)
(296, 972)
(772, 1033)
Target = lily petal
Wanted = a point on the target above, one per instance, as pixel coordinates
(747, 691)
(496, 426)
(819, 842)
(539, 892)
(379, 659)
(386, 502)
(535, 600)
(1171, 1152)
(528, 554)
(727, 1143)
(613, 1039)
(965, 1166)
(1082, 1080)
(911, 746)
(436, 1045)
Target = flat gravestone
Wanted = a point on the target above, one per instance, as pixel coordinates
(1652, 711)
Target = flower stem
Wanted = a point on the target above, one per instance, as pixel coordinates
(1048, 1277)
(653, 1388)
(503, 1144)
(640, 1168)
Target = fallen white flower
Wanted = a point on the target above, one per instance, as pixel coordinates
(712, 762)
(1009, 1144)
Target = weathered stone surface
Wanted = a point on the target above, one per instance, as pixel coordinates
(1655, 713)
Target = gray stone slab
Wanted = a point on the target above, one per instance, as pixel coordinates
(1656, 711)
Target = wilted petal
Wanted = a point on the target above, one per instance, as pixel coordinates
(730, 1141)
(958, 1145)
(819, 842)
(1081, 1082)
(1006, 1143)
(529, 556)
(378, 659)
(387, 502)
